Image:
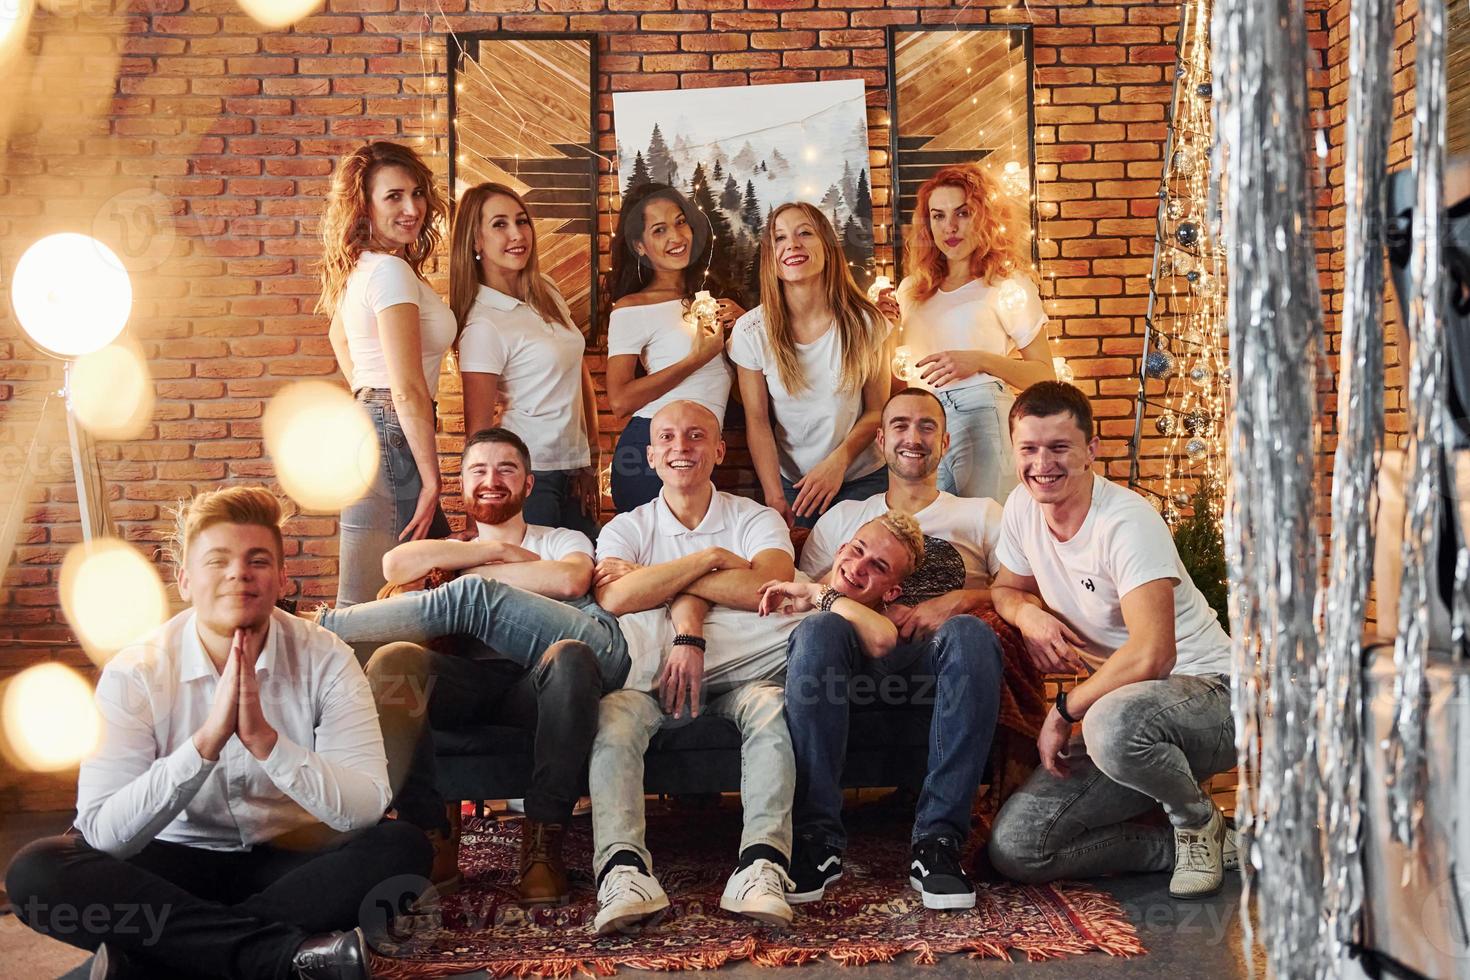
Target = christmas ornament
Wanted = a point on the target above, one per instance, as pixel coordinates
(1181, 499)
(1159, 365)
(1171, 515)
(1204, 90)
(1187, 234)
(1176, 209)
(1195, 449)
(1196, 422)
(1185, 161)
(1200, 376)
(1165, 424)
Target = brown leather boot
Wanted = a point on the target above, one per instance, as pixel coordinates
(444, 875)
(543, 879)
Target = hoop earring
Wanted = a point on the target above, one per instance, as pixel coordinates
(640, 272)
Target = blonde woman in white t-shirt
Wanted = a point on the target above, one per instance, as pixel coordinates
(389, 331)
(519, 346)
(661, 258)
(813, 366)
(973, 325)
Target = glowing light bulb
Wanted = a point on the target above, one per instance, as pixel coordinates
(71, 294)
(903, 366)
(112, 392)
(323, 444)
(278, 13)
(111, 595)
(880, 283)
(1063, 370)
(50, 721)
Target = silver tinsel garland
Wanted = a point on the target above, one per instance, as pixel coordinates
(1355, 468)
(1274, 312)
(1426, 432)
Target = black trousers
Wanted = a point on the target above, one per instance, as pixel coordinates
(556, 699)
(190, 912)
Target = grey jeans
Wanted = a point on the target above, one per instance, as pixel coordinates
(1142, 746)
(627, 721)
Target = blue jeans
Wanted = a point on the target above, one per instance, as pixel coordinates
(1143, 745)
(859, 488)
(370, 527)
(980, 462)
(957, 672)
(551, 504)
(634, 482)
(518, 625)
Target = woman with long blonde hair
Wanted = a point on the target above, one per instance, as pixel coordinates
(518, 346)
(389, 331)
(967, 309)
(813, 368)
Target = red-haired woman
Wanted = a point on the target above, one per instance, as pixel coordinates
(968, 307)
(518, 344)
(389, 331)
(813, 366)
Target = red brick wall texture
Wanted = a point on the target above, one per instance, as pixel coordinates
(220, 138)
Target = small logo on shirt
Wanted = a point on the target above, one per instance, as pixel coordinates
(1087, 584)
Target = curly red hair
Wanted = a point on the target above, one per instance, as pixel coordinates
(999, 229)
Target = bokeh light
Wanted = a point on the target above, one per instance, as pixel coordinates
(276, 14)
(48, 720)
(15, 17)
(111, 595)
(112, 392)
(71, 294)
(323, 444)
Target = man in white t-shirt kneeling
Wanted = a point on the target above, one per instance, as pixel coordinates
(1092, 579)
(522, 592)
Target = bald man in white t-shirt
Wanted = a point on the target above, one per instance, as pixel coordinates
(1091, 578)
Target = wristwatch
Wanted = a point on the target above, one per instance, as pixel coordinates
(1061, 705)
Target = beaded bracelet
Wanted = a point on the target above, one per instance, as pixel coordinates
(689, 640)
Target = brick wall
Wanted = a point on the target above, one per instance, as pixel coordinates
(236, 131)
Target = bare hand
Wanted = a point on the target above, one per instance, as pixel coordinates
(888, 305)
(816, 490)
(1051, 744)
(724, 560)
(680, 680)
(586, 492)
(946, 366)
(1052, 646)
(931, 614)
(788, 598)
(211, 737)
(609, 570)
(898, 614)
(707, 343)
(423, 514)
(255, 732)
(780, 506)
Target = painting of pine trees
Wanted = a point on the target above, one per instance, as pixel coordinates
(740, 152)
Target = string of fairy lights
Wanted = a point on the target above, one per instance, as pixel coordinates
(1183, 382)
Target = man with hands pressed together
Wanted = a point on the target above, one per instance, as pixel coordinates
(1091, 578)
(683, 574)
(231, 735)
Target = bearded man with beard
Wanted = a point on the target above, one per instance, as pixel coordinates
(552, 653)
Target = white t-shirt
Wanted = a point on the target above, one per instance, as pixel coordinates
(378, 281)
(811, 423)
(659, 334)
(540, 369)
(971, 524)
(551, 543)
(1123, 543)
(740, 646)
(997, 319)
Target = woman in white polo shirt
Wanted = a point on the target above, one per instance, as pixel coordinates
(813, 365)
(518, 343)
(661, 255)
(967, 309)
(389, 331)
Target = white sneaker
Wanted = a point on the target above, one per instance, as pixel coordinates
(759, 891)
(1230, 852)
(628, 900)
(1199, 866)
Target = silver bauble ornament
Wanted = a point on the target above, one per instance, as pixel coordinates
(1195, 449)
(1175, 209)
(1196, 422)
(1159, 365)
(1171, 515)
(1200, 376)
(1181, 499)
(1165, 424)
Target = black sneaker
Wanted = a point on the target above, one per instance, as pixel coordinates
(936, 874)
(814, 866)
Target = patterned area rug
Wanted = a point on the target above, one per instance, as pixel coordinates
(870, 915)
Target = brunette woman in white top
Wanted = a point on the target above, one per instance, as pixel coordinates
(813, 365)
(389, 331)
(518, 344)
(661, 252)
(972, 321)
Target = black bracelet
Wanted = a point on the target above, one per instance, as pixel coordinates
(689, 640)
(1061, 705)
(828, 598)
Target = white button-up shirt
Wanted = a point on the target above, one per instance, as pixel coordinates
(147, 779)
